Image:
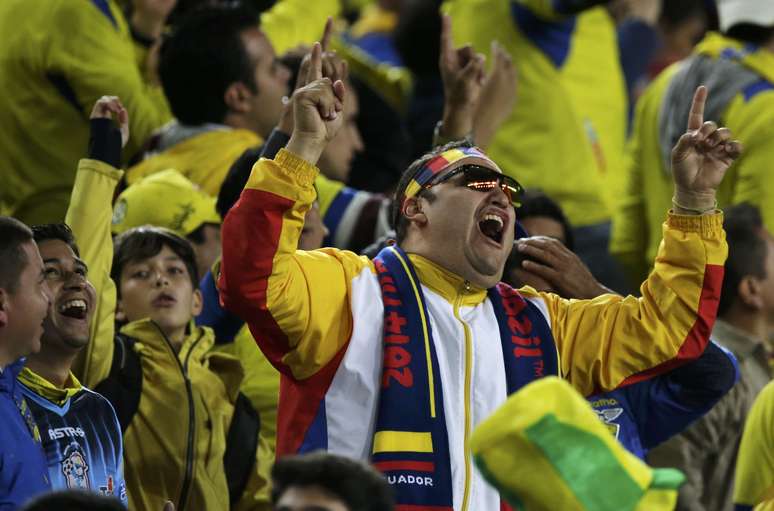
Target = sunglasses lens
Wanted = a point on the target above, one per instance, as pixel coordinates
(484, 179)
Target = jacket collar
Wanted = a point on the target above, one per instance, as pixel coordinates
(757, 59)
(48, 390)
(741, 343)
(152, 339)
(9, 374)
(452, 287)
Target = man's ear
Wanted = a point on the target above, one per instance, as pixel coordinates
(236, 97)
(412, 210)
(3, 307)
(197, 303)
(750, 292)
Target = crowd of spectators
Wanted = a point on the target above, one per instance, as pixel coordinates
(411, 255)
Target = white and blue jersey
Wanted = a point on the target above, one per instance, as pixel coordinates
(81, 437)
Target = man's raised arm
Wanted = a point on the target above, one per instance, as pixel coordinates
(610, 341)
(295, 302)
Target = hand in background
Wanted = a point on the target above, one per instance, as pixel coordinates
(553, 262)
(107, 107)
(497, 97)
(462, 72)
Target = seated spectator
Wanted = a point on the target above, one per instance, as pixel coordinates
(24, 303)
(225, 88)
(51, 73)
(325, 482)
(80, 431)
(707, 451)
(754, 487)
(167, 199)
(361, 336)
(646, 413)
(179, 406)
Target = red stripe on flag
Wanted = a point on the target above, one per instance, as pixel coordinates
(417, 466)
(698, 337)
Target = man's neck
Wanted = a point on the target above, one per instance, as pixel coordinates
(52, 365)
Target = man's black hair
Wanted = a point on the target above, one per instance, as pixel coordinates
(536, 203)
(358, 486)
(202, 57)
(13, 234)
(676, 12)
(750, 33)
(74, 500)
(60, 231)
(141, 243)
(397, 220)
(236, 179)
(418, 35)
(746, 251)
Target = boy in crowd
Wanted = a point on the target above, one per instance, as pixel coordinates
(24, 302)
(179, 406)
(79, 429)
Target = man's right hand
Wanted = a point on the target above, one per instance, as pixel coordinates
(316, 111)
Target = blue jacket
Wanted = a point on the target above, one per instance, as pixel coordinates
(647, 413)
(23, 470)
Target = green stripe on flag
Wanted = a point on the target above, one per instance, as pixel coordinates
(589, 468)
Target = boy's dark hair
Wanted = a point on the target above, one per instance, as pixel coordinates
(74, 500)
(13, 234)
(202, 57)
(756, 35)
(358, 486)
(397, 220)
(144, 242)
(536, 203)
(60, 231)
(746, 251)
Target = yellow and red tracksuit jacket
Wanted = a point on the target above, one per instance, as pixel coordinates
(318, 317)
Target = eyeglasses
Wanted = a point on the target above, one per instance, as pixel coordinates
(484, 179)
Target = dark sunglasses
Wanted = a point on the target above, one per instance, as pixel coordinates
(484, 179)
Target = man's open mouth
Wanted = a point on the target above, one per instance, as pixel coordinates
(76, 309)
(492, 227)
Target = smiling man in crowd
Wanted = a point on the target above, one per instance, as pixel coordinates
(79, 428)
(422, 343)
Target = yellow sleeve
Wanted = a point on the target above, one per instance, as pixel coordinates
(754, 482)
(89, 216)
(291, 23)
(99, 59)
(611, 340)
(296, 303)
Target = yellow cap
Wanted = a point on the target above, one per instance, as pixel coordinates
(164, 199)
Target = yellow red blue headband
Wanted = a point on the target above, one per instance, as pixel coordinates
(447, 160)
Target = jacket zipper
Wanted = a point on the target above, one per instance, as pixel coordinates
(185, 490)
(468, 376)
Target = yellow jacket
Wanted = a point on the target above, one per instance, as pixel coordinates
(318, 315)
(57, 57)
(754, 481)
(204, 159)
(566, 133)
(178, 432)
(749, 115)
